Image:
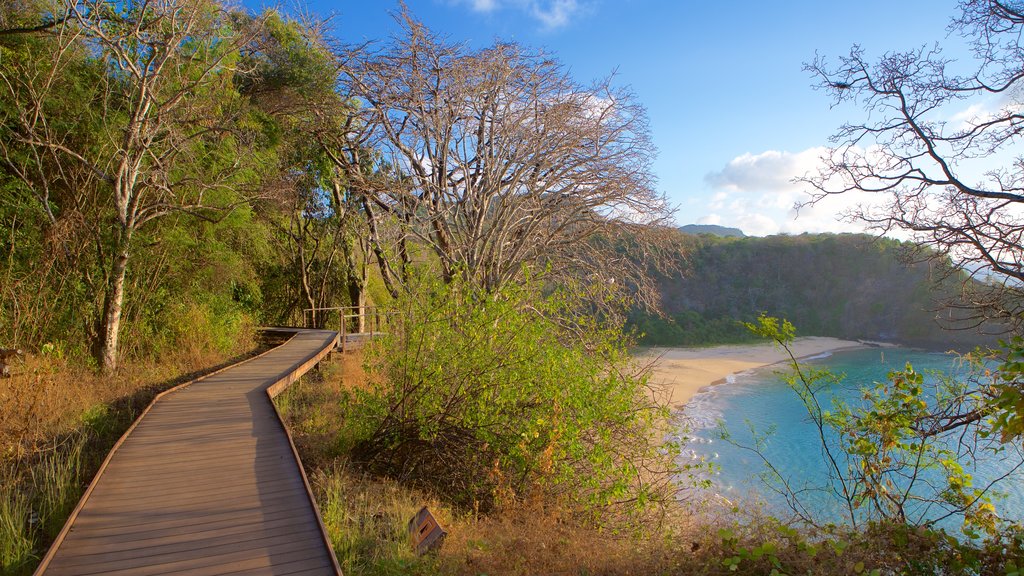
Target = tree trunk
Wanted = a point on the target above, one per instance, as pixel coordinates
(387, 274)
(112, 308)
(356, 299)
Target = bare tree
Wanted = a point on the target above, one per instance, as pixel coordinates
(958, 187)
(495, 159)
(165, 105)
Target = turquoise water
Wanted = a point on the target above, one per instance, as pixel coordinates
(760, 399)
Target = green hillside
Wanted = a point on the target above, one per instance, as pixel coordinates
(847, 286)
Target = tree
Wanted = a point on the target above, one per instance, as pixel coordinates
(327, 252)
(165, 112)
(958, 188)
(494, 159)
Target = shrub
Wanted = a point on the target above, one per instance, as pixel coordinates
(493, 397)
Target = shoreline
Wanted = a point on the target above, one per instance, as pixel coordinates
(685, 372)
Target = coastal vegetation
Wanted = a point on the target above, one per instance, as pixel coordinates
(174, 174)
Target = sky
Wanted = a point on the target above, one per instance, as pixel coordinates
(732, 113)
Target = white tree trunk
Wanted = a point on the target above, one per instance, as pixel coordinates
(113, 306)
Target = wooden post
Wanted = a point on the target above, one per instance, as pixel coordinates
(361, 313)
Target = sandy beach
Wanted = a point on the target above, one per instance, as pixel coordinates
(685, 371)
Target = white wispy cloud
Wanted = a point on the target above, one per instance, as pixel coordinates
(981, 110)
(759, 194)
(551, 14)
(484, 5)
(556, 13)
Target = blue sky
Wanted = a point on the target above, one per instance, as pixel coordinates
(732, 113)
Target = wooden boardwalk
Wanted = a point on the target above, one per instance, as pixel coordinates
(206, 482)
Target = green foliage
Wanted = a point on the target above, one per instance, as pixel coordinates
(772, 548)
(47, 262)
(688, 328)
(890, 448)
(771, 328)
(490, 397)
(289, 59)
(1008, 392)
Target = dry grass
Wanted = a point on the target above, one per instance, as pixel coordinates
(524, 541)
(367, 520)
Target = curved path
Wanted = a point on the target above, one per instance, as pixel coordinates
(205, 482)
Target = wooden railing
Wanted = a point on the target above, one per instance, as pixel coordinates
(348, 321)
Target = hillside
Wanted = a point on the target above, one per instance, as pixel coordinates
(847, 286)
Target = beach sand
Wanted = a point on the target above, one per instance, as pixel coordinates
(685, 371)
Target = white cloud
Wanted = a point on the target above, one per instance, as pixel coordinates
(552, 14)
(758, 194)
(772, 170)
(970, 115)
(984, 110)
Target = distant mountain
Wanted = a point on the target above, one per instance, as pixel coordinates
(712, 229)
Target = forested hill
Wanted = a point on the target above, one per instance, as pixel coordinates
(847, 286)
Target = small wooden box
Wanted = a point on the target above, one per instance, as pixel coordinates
(425, 532)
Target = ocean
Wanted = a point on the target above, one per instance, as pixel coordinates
(758, 407)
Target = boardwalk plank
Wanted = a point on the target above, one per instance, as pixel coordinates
(193, 533)
(257, 492)
(206, 483)
(144, 520)
(216, 564)
(118, 559)
(183, 527)
(210, 471)
(302, 567)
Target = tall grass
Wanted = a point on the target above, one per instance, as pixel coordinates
(367, 520)
(57, 485)
(35, 503)
(16, 542)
